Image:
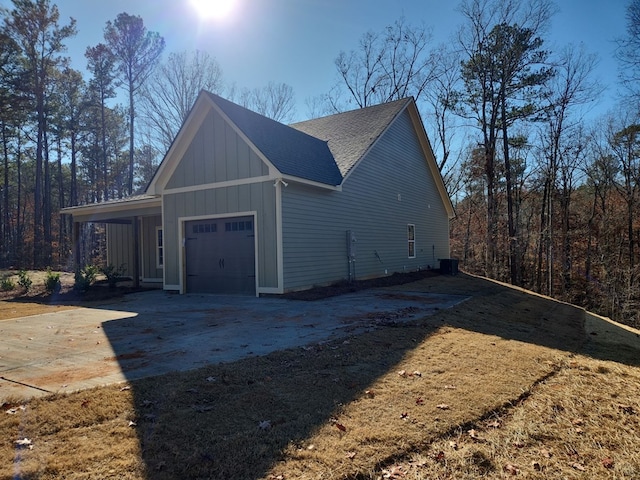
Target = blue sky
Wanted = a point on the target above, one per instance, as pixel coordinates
(296, 41)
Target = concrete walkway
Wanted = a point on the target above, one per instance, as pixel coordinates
(152, 333)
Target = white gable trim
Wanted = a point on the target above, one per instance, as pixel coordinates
(179, 146)
(204, 104)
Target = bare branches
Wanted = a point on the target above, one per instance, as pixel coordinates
(389, 65)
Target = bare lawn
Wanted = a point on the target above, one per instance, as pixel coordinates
(506, 384)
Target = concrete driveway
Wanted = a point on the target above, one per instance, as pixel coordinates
(153, 333)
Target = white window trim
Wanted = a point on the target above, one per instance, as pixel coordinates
(158, 247)
(410, 241)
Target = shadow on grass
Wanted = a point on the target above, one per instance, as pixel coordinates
(235, 420)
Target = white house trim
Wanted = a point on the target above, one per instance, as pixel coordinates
(228, 183)
(279, 242)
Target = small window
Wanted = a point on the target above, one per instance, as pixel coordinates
(159, 248)
(227, 227)
(411, 240)
(248, 225)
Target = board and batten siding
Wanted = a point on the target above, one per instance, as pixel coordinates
(120, 247)
(389, 189)
(216, 154)
(224, 201)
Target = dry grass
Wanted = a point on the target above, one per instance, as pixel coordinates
(494, 387)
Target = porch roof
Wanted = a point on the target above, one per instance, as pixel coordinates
(116, 210)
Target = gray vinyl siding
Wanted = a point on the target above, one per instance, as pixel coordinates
(315, 221)
(216, 154)
(120, 246)
(227, 201)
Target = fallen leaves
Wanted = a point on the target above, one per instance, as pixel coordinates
(15, 410)
(511, 469)
(473, 433)
(394, 472)
(494, 424)
(24, 443)
(264, 425)
(607, 462)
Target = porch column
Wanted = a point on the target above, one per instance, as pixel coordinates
(76, 246)
(136, 253)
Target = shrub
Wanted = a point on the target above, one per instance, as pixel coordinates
(113, 274)
(7, 284)
(85, 278)
(52, 282)
(24, 280)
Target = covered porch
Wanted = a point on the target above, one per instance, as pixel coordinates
(134, 236)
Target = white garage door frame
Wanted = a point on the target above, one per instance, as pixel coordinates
(181, 241)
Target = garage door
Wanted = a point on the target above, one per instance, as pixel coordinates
(220, 256)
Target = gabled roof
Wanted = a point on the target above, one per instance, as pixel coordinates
(351, 134)
(291, 151)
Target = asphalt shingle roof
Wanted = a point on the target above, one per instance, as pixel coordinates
(350, 134)
(323, 149)
(291, 151)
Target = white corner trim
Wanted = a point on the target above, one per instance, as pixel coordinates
(270, 290)
(279, 242)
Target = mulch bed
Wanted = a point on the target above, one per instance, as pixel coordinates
(340, 288)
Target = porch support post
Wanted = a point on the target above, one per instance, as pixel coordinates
(76, 246)
(136, 253)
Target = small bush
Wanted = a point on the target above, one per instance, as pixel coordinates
(52, 282)
(113, 274)
(7, 284)
(24, 280)
(85, 278)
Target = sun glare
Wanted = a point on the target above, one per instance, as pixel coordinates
(213, 9)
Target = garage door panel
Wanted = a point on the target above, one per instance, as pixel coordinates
(220, 256)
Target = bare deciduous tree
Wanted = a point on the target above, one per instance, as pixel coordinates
(274, 100)
(389, 65)
(170, 94)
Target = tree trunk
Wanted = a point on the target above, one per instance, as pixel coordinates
(6, 227)
(131, 142)
(46, 205)
(513, 240)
